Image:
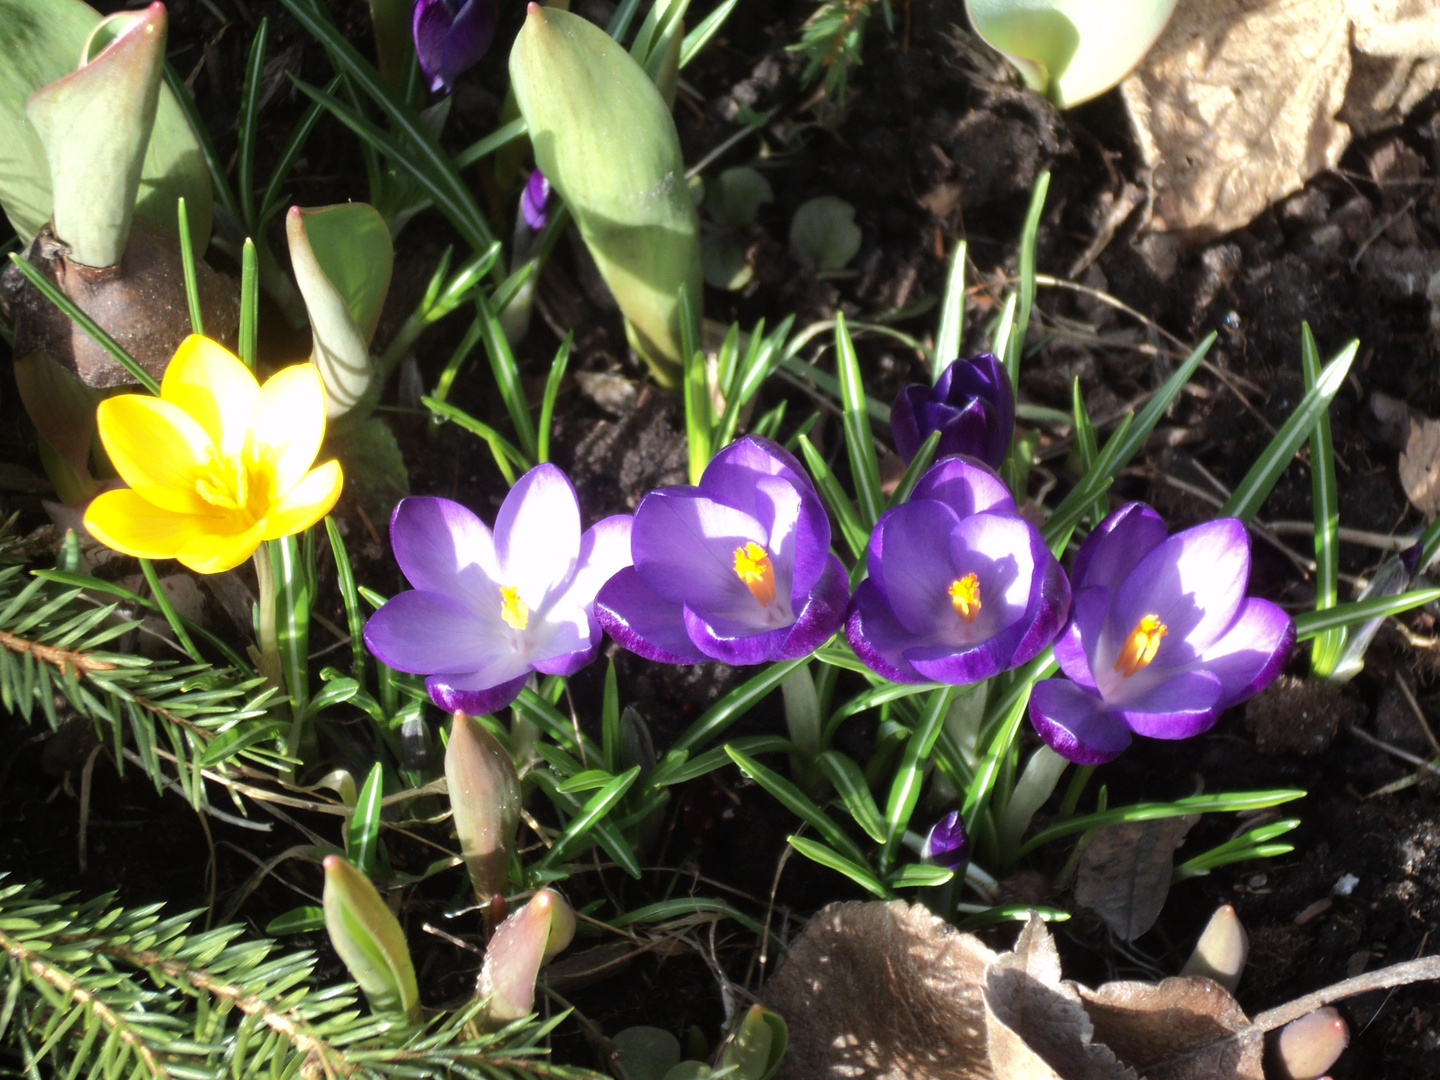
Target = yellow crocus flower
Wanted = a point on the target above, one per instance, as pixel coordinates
(216, 464)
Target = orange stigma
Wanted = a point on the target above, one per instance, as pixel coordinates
(512, 609)
(965, 597)
(1140, 647)
(752, 566)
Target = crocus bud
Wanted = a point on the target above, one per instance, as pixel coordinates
(1305, 1048)
(342, 257)
(605, 140)
(534, 200)
(1070, 50)
(451, 36)
(522, 943)
(95, 124)
(947, 845)
(972, 406)
(369, 940)
(485, 798)
(1221, 951)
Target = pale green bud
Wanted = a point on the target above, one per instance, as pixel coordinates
(342, 257)
(758, 1046)
(95, 124)
(1222, 949)
(1071, 50)
(1305, 1048)
(369, 940)
(485, 799)
(519, 946)
(605, 139)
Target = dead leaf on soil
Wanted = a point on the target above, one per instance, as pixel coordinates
(1420, 466)
(887, 991)
(1237, 103)
(1038, 1029)
(882, 992)
(1124, 874)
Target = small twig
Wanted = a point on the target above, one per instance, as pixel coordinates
(1394, 751)
(60, 658)
(1411, 971)
(1415, 708)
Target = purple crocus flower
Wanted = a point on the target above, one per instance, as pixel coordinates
(972, 405)
(961, 587)
(535, 200)
(488, 609)
(738, 569)
(947, 845)
(1161, 637)
(451, 36)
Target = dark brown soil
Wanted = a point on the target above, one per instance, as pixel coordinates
(928, 150)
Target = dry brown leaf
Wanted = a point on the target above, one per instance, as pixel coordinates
(876, 991)
(1124, 874)
(1183, 1029)
(1237, 104)
(1038, 1029)
(1420, 466)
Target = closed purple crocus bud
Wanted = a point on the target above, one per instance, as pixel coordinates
(451, 36)
(488, 609)
(535, 200)
(737, 569)
(1161, 637)
(947, 845)
(961, 587)
(972, 405)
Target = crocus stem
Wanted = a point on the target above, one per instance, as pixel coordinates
(1037, 782)
(267, 640)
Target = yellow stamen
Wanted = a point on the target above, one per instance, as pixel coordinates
(225, 482)
(512, 608)
(965, 597)
(1140, 647)
(752, 566)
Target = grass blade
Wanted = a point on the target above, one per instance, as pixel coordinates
(1016, 344)
(952, 314)
(249, 129)
(734, 705)
(905, 788)
(829, 857)
(1325, 649)
(362, 837)
(849, 783)
(552, 391)
(851, 527)
(794, 800)
(858, 440)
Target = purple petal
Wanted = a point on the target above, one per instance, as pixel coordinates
(1119, 542)
(1075, 724)
(1049, 608)
(905, 420)
(799, 531)
(452, 693)
(684, 548)
(964, 486)
(946, 844)
(1176, 708)
(442, 547)
(644, 623)
(736, 649)
(911, 563)
(432, 633)
(1087, 621)
(961, 665)
(604, 552)
(1249, 655)
(1194, 582)
(430, 21)
(732, 471)
(877, 636)
(974, 431)
(533, 200)
(537, 535)
(567, 663)
(821, 617)
(449, 41)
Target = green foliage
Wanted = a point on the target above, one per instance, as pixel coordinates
(831, 41)
(95, 989)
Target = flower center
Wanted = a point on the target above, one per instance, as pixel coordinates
(512, 609)
(752, 566)
(965, 597)
(224, 481)
(1142, 644)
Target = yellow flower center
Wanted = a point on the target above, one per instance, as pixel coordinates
(1142, 644)
(224, 481)
(965, 597)
(752, 566)
(512, 608)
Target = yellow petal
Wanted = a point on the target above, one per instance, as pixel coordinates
(124, 521)
(289, 424)
(305, 503)
(157, 449)
(215, 552)
(212, 385)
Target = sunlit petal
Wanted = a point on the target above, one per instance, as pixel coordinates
(210, 384)
(216, 552)
(157, 448)
(128, 523)
(289, 424)
(305, 503)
